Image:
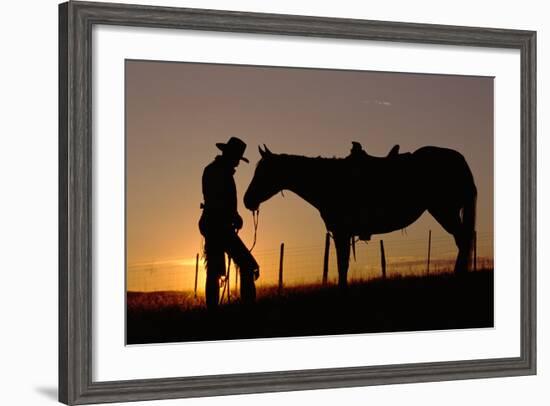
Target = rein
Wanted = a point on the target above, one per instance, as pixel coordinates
(256, 220)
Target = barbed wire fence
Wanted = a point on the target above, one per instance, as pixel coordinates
(308, 264)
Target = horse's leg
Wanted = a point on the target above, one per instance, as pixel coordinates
(342, 244)
(449, 218)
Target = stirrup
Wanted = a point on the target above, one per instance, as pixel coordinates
(365, 236)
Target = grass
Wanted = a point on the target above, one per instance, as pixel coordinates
(412, 303)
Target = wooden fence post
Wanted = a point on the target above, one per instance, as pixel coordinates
(383, 259)
(325, 259)
(429, 251)
(196, 273)
(475, 251)
(281, 267)
(228, 280)
(236, 280)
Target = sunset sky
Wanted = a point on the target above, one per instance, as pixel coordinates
(176, 112)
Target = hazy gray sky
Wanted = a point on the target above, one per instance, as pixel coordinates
(176, 112)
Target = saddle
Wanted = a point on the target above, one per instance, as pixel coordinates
(371, 175)
(358, 152)
(363, 165)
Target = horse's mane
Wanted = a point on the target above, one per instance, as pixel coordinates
(309, 158)
(319, 161)
(290, 164)
(318, 164)
(304, 158)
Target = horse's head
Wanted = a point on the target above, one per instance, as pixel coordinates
(266, 181)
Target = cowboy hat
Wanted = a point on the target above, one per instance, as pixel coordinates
(234, 147)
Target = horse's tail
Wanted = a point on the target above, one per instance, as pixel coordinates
(469, 218)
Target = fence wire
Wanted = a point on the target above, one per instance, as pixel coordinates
(304, 264)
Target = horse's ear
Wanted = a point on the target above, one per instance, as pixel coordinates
(265, 152)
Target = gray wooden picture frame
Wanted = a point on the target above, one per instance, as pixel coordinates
(76, 20)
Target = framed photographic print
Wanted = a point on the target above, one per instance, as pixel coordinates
(242, 186)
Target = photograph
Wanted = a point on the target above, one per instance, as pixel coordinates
(274, 201)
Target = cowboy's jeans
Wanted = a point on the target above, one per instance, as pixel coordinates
(216, 245)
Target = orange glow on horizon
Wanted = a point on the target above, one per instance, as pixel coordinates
(304, 265)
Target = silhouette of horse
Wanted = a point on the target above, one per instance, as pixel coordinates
(364, 195)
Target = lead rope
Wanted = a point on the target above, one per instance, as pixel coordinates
(256, 220)
(225, 282)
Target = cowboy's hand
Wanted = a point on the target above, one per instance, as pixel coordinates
(238, 221)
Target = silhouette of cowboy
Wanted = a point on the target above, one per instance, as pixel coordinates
(220, 222)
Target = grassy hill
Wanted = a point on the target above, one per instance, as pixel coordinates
(436, 302)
